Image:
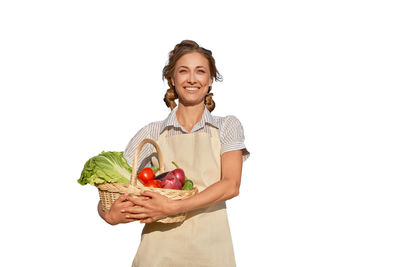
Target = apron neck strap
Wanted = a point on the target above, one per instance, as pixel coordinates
(213, 132)
(164, 132)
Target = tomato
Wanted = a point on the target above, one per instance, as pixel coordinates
(153, 183)
(146, 175)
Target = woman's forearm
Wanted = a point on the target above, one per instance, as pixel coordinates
(224, 189)
(220, 191)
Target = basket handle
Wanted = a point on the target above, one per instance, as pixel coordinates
(135, 161)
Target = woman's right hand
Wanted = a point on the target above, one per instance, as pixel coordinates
(115, 215)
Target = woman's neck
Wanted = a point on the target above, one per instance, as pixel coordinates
(188, 116)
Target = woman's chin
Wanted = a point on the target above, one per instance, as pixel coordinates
(191, 102)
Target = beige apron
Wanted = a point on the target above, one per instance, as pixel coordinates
(204, 238)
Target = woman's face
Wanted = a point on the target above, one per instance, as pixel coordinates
(192, 78)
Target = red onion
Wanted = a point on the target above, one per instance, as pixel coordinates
(171, 182)
(180, 174)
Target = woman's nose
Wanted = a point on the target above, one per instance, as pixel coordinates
(191, 78)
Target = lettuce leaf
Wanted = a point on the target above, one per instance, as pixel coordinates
(107, 167)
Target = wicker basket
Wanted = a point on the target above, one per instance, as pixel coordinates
(109, 192)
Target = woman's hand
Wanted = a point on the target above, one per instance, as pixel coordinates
(154, 208)
(115, 215)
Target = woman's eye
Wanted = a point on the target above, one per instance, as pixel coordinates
(202, 71)
(182, 71)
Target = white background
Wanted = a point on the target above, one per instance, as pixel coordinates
(314, 83)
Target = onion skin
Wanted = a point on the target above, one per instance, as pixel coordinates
(171, 182)
(180, 174)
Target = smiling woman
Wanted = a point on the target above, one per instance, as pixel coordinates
(209, 148)
(181, 67)
(192, 80)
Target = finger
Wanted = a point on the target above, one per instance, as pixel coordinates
(126, 204)
(135, 209)
(137, 201)
(121, 198)
(149, 193)
(140, 197)
(148, 220)
(135, 216)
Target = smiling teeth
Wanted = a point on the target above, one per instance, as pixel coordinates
(192, 89)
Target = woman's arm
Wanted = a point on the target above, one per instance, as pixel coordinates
(158, 206)
(226, 188)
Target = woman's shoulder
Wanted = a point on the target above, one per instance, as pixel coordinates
(230, 128)
(231, 134)
(153, 126)
(227, 122)
(150, 130)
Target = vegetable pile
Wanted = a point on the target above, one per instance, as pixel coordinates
(174, 179)
(112, 167)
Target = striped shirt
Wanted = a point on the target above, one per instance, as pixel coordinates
(230, 130)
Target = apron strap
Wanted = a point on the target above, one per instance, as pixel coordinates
(164, 132)
(214, 131)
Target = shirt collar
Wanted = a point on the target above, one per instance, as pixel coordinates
(171, 120)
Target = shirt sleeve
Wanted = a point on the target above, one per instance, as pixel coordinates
(145, 155)
(232, 136)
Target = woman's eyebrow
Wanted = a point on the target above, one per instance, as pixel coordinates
(186, 67)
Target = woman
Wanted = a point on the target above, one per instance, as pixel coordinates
(209, 148)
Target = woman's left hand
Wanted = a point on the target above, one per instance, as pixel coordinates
(149, 210)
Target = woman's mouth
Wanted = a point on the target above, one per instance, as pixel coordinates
(192, 88)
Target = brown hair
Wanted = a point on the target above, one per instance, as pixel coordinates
(183, 48)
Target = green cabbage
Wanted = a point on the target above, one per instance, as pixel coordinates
(107, 167)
